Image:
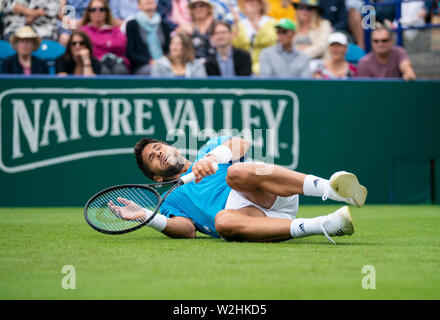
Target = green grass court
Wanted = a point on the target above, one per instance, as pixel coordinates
(402, 243)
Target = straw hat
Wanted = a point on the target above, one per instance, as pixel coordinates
(26, 32)
(265, 5)
(191, 2)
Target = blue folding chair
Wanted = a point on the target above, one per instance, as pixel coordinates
(354, 53)
(49, 51)
(6, 50)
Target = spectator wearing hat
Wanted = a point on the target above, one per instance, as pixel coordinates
(386, 60)
(41, 15)
(78, 59)
(335, 67)
(227, 60)
(313, 30)
(255, 31)
(148, 37)
(202, 17)
(109, 43)
(282, 59)
(25, 41)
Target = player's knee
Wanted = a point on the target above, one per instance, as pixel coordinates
(237, 176)
(228, 226)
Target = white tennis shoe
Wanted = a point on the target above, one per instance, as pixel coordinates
(344, 186)
(338, 223)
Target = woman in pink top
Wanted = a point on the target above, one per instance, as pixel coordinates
(109, 43)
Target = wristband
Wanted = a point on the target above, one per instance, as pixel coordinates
(222, 153)
(159, 222)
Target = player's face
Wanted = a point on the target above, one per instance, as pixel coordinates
(164, 160)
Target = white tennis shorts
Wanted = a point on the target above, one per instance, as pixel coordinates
(283, 207)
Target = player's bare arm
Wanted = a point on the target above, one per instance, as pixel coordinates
(233, 149)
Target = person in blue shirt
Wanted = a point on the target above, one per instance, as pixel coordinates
(240, 201)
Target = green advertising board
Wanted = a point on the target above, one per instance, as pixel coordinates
(63, 140)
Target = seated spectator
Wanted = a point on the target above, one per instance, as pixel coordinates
(279, 9)
(227, 60)
(282, 60)
(148, 37)
(313, 31)
(385, 60)
(41, 15)
(180, 61)
(70, 20)
(78, 59)
(335, 67)
(335, 12)
(255, 31)
(354, 14)
(109, 43)
(202, 17)
(25, 41)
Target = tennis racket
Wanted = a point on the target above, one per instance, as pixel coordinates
(121, 209)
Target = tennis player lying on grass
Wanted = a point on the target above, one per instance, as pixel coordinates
(244, 201)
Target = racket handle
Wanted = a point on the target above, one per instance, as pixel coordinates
(191, 177)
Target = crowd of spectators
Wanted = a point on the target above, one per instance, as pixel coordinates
(199, 38)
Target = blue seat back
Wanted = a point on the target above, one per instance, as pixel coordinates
(354, 53)
(49, 51)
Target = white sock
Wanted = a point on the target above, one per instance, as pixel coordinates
(318, 187)
(304, 227)
(315, 186)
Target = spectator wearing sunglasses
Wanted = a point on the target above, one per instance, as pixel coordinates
(78, 59)
(313, 30)
(282, 59)
(109, 42)
(386, 60)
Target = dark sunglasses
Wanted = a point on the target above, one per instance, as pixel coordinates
(381, 40)
(74, 43)
(198, 5)
(282, 31)
(303, 7)
(100, 9)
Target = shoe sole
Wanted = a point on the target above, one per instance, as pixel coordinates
(347, 185)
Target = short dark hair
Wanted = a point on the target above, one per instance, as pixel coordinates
(219, 23)
(138, 148)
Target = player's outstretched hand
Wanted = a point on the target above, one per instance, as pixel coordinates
(204, 167)
(131, 211)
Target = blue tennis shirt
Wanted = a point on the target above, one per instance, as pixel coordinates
(201, 201)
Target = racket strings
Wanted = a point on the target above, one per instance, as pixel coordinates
(102, 217)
